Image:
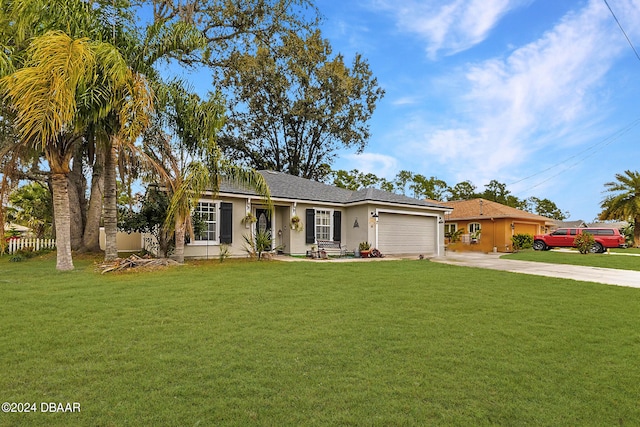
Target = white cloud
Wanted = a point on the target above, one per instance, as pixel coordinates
(450, 26)
(510, 107)
(381, 165)
(405, 100)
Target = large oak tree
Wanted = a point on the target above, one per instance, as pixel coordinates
(294, 104)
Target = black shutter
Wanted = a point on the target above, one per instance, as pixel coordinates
(337, 225)
(310, 226)
(226, 222)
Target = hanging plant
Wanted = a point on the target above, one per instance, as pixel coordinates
(249, 218)
(296, 223)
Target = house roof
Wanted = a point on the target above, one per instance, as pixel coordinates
(614, 224)
(483, 209)
(285, 186)
(570, 224)
(17, 227)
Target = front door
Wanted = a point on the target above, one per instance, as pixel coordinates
(264, 221)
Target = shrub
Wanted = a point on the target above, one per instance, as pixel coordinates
(256, 245)
(521, 241)
(224, 252)
(454, 236)
(584, 242)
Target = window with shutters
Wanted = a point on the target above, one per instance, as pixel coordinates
(207, 214)
(323, 224)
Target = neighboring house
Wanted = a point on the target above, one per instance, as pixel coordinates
(568, 224)
(492, 224)
(615, 224)
(395, 224)
(21, 230)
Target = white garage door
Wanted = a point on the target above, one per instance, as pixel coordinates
(406, 234)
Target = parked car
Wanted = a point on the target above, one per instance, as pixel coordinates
(565, 238)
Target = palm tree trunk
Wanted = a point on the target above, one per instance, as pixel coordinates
(91, 238)
(110, 205)
(178, 254)
(64, 262)
(636, 232)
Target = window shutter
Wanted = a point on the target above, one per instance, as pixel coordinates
(310, 229)
(226, 222)
(337, 225)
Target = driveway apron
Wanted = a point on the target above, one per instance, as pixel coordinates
(607, 276)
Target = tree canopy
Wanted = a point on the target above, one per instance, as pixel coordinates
(293, 104)
(622, 201)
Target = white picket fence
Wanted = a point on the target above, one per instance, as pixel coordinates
(15, 245)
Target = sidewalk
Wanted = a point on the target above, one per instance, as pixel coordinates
(492, 261)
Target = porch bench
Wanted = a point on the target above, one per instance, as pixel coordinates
(332, 248)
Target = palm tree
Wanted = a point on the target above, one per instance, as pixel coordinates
(46, 94)
(623, 201)
(196, 164)
(205, 176)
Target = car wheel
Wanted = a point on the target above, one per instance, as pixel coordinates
(539, 245)
(596, 248)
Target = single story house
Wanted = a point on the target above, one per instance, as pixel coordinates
(17, 229)
(568, 224)
(305, 212)
(488, 226)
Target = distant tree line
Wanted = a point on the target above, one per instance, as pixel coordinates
(420, 187)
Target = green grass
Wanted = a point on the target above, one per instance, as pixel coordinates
(625, 250)
(304, 343)
(620, 262)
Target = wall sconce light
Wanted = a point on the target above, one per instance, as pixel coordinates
(374, 215)
(440, 220)
(355, 223)
(513, 226)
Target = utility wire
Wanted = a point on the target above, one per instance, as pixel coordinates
(596, 147)
(591, 147)
(622, 29)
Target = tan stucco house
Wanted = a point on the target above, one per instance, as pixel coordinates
(488, 226)
(392, 223)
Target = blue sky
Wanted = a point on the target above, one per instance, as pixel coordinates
(540, 95)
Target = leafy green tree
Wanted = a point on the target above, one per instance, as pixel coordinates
(464, 190)
(149, 218)
(355, 180)
(546, 207)
(430, 188)
(402, 179)
(623, 201)
(293, 104)
(33, 208)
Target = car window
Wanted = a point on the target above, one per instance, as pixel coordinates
(560, 232)
(573, 231)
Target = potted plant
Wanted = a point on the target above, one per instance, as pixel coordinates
(365, 249)
(475, 236)
(296, 223)
(249, 219)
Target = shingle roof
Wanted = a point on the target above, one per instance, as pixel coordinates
(482, 208)
(285, 186)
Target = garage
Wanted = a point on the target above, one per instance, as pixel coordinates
(406, 234)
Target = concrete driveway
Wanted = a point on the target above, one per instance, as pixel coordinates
(607, 276)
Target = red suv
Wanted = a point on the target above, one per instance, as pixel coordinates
(565, 237)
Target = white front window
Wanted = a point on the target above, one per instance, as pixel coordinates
(450, 229)
(323, 225)
(207, 212)
(474, 227)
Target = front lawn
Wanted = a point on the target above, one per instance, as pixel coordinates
(621, 262)
(304, 343)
